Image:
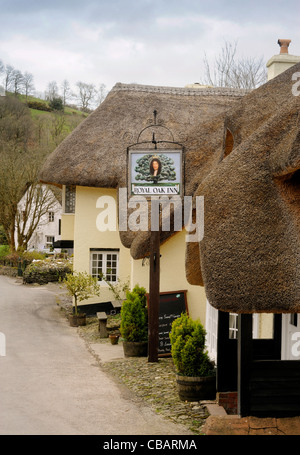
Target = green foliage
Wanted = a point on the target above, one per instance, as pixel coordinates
(188, 347)
(33, 255)
(56, 104)
(4, 251)
(134, 316)
(81, 286)
(12, 258)
(47, 270)
(119, 289)
(3, 236)
(39, 105)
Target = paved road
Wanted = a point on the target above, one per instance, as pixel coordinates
(50, 384)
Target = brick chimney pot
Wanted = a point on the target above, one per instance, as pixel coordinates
(284, 45)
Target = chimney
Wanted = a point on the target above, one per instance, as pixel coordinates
(282, 61)
(284, 45)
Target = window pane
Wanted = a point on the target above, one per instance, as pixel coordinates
(70, 196)
(106, 264)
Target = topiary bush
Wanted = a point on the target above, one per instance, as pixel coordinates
(134, 316)
(188, 349)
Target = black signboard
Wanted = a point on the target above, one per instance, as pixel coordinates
(171, 306)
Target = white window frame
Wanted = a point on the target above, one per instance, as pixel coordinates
(49, 243)
(50, 217)
(101, 262)
(211, 326)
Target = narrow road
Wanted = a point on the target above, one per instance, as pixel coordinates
(50, 384)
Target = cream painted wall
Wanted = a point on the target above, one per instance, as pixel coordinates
(280, 63)
(67, 226)
(172, 275)
(87, 235)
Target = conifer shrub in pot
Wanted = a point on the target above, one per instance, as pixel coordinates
(195, 372)
(134, 323)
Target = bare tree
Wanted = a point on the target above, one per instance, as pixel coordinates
(20, 161)
(35, 204)
(8, 77)
(17, 82)
(52, 91)
(102, 92)
(66, 91)
(58, 127)
(230, 71)
(28, 83)
(86, 95)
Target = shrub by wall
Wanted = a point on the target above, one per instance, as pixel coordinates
(46, 271)
(8, 271)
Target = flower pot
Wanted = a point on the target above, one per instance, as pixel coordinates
(77, 320)
(196, 388)
(135, 348)
(114, 339)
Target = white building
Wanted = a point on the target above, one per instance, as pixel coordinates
(48, 211)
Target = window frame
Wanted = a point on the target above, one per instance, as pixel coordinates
(105, 266)
(48, 243)
(70, 199)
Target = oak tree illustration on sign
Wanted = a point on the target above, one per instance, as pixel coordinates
(155, 168)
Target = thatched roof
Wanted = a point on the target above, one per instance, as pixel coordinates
(95, 153)
(249, 258)
(250, 253)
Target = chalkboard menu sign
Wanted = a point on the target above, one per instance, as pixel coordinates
(171, 306)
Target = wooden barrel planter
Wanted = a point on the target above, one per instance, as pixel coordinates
(77, 320)
(135, 348)
(196, 388)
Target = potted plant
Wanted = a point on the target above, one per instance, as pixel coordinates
(81, 286)
(114, 337)
(134, 323)
(195, 372)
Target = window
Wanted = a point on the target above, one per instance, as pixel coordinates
(233, 325)
(105, 263)
(70, 195)
(51, 216)
(294, 319)
(49, 241)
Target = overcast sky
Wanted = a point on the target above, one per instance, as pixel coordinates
(156, 42)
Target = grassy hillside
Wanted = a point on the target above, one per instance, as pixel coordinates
(55, 124)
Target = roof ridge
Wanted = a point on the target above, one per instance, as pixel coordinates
(207, 91)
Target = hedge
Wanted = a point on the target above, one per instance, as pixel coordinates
(48, 270)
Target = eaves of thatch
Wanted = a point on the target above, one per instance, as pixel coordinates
(249, 258)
